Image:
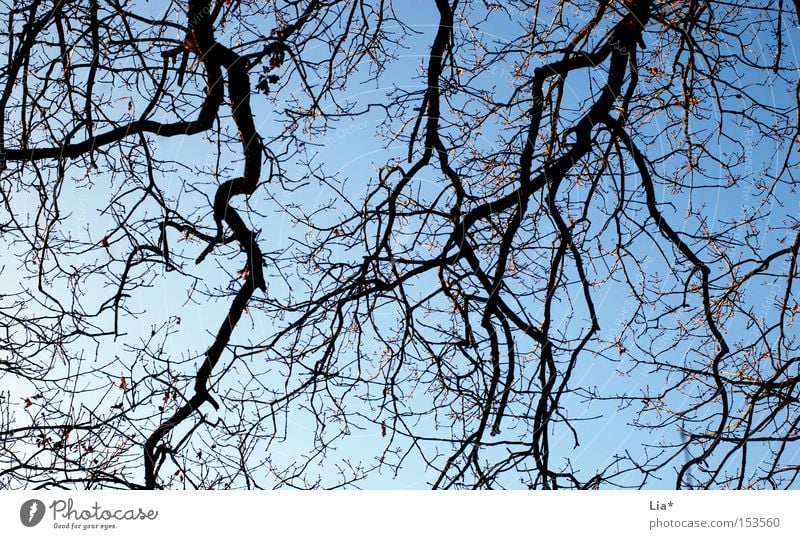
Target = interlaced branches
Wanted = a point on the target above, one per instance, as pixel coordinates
(460, 244)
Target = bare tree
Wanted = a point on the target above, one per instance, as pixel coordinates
(570, 265)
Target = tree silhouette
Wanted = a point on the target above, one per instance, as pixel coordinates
(542, 244)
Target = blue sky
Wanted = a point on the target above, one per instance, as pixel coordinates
(351, 149)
